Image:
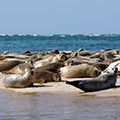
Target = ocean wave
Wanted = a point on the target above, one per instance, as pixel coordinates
(60, 35)
(92, 34)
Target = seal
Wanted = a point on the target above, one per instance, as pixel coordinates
(59, 58)
(72, 55)
(7, 65)
(21, 68)
(101, 65)
(18, 56)
(82, 59)
(40, 63)
(71, 62)
(19, 80)
(53, 67)
(45, 76)
(103, 81)
(78, 71)
(5, 53)
(28, 53)
(116, 63)
(108, 55)
(55, 51)
(84, 53)
(94, 60)
(96, 55)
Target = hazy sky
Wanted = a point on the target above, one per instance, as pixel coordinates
(59, 16)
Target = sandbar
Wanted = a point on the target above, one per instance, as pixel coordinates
(62, 88)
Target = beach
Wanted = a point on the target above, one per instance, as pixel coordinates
(63, 88)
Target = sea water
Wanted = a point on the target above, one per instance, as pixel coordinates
(39, 43)
(58, 107)
(52, 106)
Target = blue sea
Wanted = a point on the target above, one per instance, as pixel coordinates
(38, 43)
(15, 106)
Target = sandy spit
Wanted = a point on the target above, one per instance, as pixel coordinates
(62, 88)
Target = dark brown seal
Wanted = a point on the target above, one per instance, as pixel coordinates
(53, 67)
(45, 76)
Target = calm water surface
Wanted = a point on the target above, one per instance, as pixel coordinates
(58, 107)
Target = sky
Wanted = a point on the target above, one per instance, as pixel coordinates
(59, 16)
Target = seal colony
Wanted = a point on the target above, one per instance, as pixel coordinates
(24, 70)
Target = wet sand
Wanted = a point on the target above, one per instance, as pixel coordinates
(62, 88)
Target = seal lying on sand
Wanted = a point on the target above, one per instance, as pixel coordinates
(21, 68)
(45, 76)
(53, 67)
(77, 71)
(40, 63)
(19, 80)
(6, 65)
(104, 81)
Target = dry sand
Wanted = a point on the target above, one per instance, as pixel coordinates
(61, 88)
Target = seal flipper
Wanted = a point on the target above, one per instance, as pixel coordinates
(74, 83)
(78, 83)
